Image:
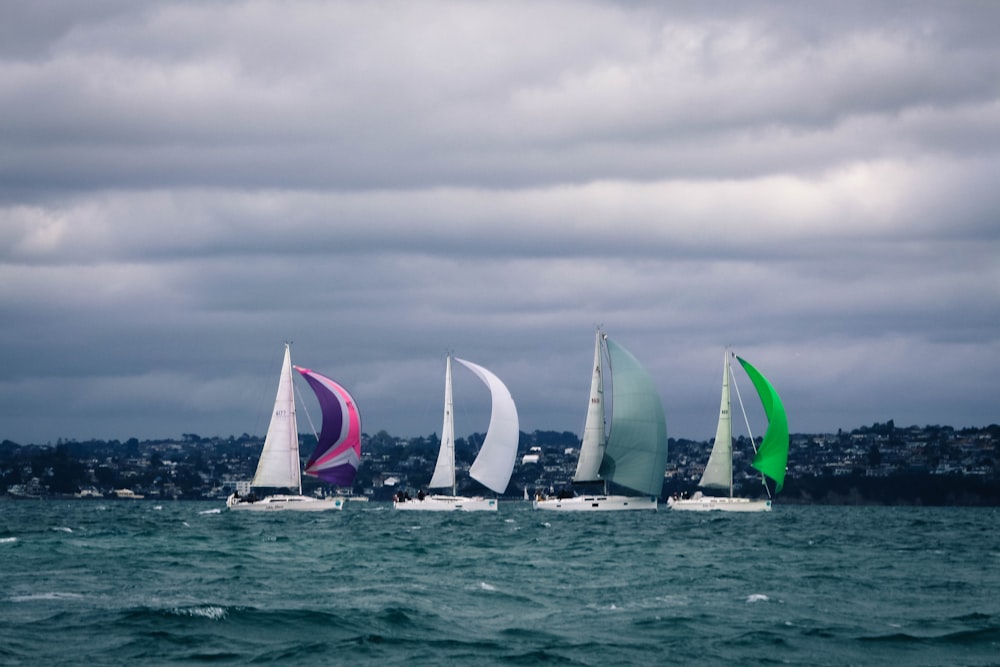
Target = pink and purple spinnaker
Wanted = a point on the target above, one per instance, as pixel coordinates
(338, 452)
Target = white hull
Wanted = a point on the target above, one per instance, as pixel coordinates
(718, 504)
(447, 504)
(596, 503)
(280, 503)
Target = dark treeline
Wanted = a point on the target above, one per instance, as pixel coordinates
(877, 464)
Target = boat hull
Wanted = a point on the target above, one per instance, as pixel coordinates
(437, 503)
(283, 503)
(718, 504)
(596, 503)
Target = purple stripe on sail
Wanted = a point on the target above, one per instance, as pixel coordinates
(342, 475)
(333, 417)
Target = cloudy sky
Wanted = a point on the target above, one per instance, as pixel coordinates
(184, 186)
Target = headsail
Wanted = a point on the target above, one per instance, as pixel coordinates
(279, 463)
(444, 470)
(338, 449)
(719, 469)
(772, 457)
(495, 462)
(592, 449)
(636, 454)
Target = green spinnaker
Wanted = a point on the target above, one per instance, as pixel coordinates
(772, 457)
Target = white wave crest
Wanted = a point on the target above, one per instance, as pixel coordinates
(757, 597)
(210, 612)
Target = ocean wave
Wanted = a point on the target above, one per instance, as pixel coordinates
(211, 612)
(51, 595)
(8, 540)
(988, 636)
(757, 597)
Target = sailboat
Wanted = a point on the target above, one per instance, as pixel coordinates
(493, 465)
(335, 459)
(770, 459)
(634, 453)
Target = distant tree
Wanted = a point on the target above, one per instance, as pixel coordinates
(874, 456)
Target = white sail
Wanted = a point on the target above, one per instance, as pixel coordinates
(592, 449)
(719, 469)
(279, 464)
(495, 462)
(444, 470)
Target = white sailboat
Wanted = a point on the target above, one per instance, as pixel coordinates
(771, 458)
(633, 455)
(335, 459)
(493, 465)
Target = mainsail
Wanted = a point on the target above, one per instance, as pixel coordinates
(444, 469)
(772, 456)
(592, 448)
(279, 463)
(636, 452)
(719, 469)
(338, 448)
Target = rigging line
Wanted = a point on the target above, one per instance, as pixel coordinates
(746, 418)
(308, 416)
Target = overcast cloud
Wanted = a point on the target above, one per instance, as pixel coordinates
(186, 185)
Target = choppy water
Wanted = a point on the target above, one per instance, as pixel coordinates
(108, 583)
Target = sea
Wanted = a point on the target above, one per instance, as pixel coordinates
(100, 582)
